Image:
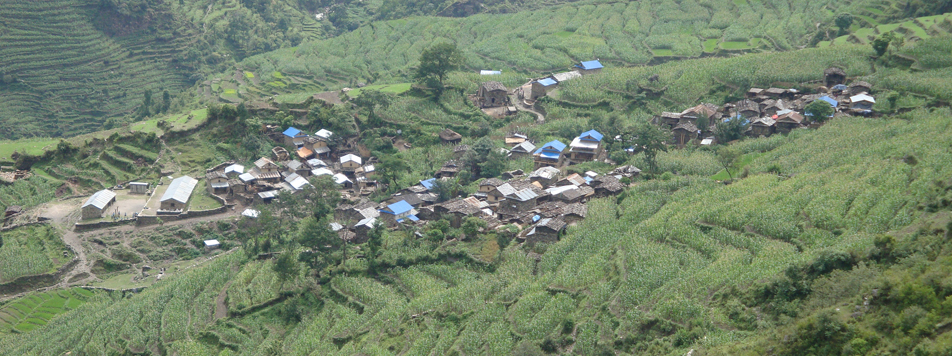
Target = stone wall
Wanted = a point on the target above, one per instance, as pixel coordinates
(102, 224)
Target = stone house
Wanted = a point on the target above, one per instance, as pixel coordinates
(788, 122)
(545, 176)
(522, 149)
(499, 193)
(138, 188)
(520, 201)
(350, 163)
(747, 108)
(546, 230)
(684, 133)
(833, 76)
(762, 127)
(574, 213)
(492, 94)
(859, 87)
(97, 204)
(550, 154)
(178, 194)
(450, 169)
(542, 87)
(217, 182)
(280, 154)
(586, 147)
(294, 137)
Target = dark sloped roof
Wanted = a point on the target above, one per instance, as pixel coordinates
(555, 224)
(450, 135)
(494, 85)
(834, 71)
(495, 182)
(686, 126)
(575, 209)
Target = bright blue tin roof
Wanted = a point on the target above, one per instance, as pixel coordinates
(428, 184)
(548, 81)
(594, 134)
(292, 132)
(589, 65)
(554, 144)
(400, 207)
(830, 100)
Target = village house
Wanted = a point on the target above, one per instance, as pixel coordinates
(628, 171)
(574, 179)
(573, 213)
(236, 186)
(546, 230)
(450, 169)
(708, 111)
(542, 87)
(492, 94)
(97, 204)
(772, 107)
(754, 93)
(176, 197)
(589, 67)
(455, 210)
(217, 182)
(486, 186)
(671, 119)
(450, 136)
(517, 202)
(280, 154)
(775, 93)
(350, 163)
(343, 181)
(762, 127)
(211, 245)
(315, 163)
(397, 212)
(522, 150)
(296, 181)
(607, 185)
(862, 103)
(747, 108)
(545, 176)
(684, 133)
(356, 212)
(298, 167)
(499, 193)
(235, 170)
(294, 137)
(138, 188)
(247, 178)
(266, 197)
(305, 153)
(833, 76)
(411, 198)
(550, 154)
(362, 230)
(318, 145)
(266, 170)
(586, 147)
(859, 87)
(788, 122)
(513, 139)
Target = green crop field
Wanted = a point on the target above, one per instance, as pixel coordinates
(33, 146)
(31, 250)
(34, 311)
(386, 88)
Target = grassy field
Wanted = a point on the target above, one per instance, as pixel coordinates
(386, 88)
(33, 146)
(36, 310)
(30, 251)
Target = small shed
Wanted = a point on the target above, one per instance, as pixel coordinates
(450, 169)
(138, 188)
(788, 122)
(862, 103)
(542, 87)
(684, 133)
(492, 94)
(762, 127)
(545, 175)
(217, 182)
(450, 136)
(293, 136)
(754, 93)
(235, 170)
(280, 154)
(521, 150)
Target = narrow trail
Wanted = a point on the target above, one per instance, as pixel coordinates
(520, 106)
(221, 310)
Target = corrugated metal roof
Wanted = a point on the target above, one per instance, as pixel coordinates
(269, 194)
(316, 163)
(506, 189)
(566, 76)
(399, 207)
(180, 189)
(597, 136)
(324, 133)
(525, 146)
(554, 145)
(862, 98)
(235, 168)
(251, 213)
(588, 65)
(341, 179)
(548, 82)
(100, 199)
(545, 173)
(428, 184)
(368, 222)
(351, 158)
(299, 183)
(336, 226)
(490, 72)
(578, 142)
(322, 172)
(830, 100)
(292, 132)
(246, 177)
(523, 195)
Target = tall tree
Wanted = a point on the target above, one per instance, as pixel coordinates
(651, 140)
(819, 110)
(389, 168)
(371, 100)
(727, 157)
(843, 21)
(438, 60)
(731, 129)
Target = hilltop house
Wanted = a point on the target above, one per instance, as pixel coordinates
(492, 94)
(550, 154)
(350, 163)
(138, 188)
(859, 87)
(589, 67)
(217, 182)
(176, 197)
(488, 185)
(585, 147)
(449, 170)
(671, 119)
(573, 213)
(358, 212)
(318, 145)
(521, 150)
(293, 136)
(542, 87)
(499, 193)
(97, 203)
(747, 108)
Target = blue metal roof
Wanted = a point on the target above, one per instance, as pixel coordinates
(594, 134)
(292, 132)
(830, 100)
(549, 155)
(428, 184)
(413, 218)
(399, 207)
(590, 65)
(548, 81)
(554, 145)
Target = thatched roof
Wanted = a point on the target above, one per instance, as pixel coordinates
(450, 135)
(834, 71)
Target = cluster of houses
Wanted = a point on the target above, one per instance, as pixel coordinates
(537, 88)
(770, 111)
(315, 155)
(542, 203)
(493, 98)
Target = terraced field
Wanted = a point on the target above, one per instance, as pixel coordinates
(912, 30)
(34, 311)
(62, 75)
